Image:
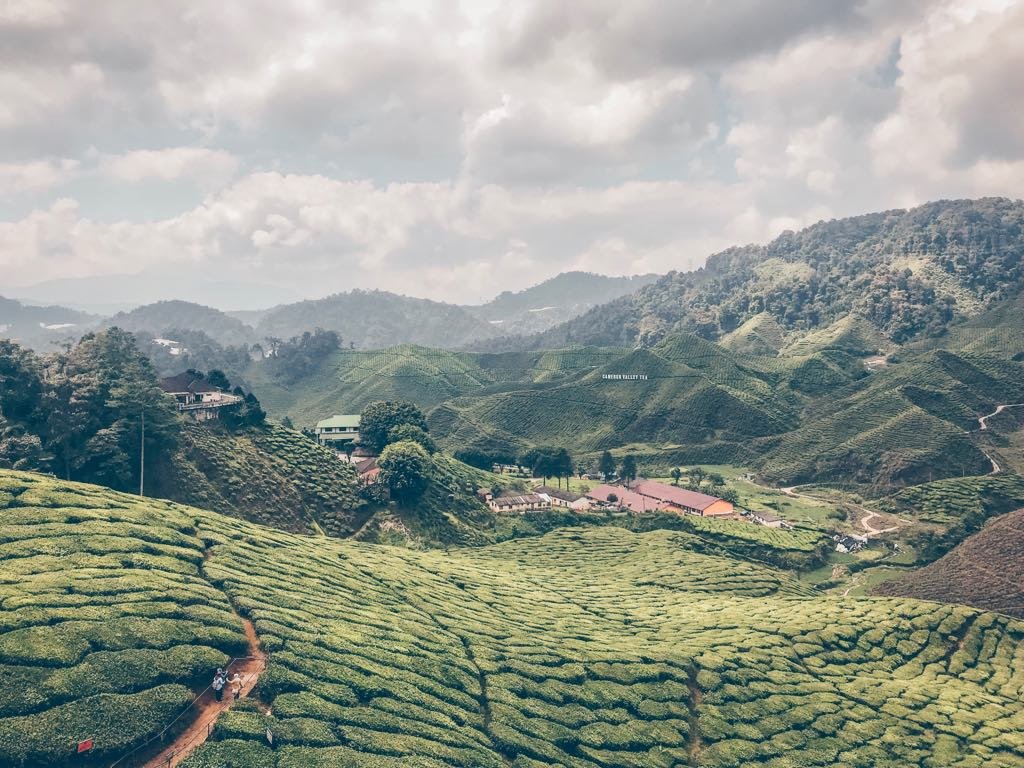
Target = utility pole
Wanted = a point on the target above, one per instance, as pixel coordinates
(142, 455)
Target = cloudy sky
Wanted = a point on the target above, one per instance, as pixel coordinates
(456, 149)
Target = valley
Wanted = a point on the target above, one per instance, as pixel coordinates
(764, 513)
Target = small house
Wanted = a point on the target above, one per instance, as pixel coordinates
(338, 430)
(768, 520)
(196, 397)
(527, 502)
(564, 498)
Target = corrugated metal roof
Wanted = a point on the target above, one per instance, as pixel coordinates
(349, 420)
(673, 495)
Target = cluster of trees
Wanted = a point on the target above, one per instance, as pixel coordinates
(92, 412)
(292, 360)
(548, 461)
(627, 472)
(399, 432)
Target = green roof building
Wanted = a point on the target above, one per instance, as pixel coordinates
(338, 430)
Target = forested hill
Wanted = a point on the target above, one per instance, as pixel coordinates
(162, 316)
(555, 301)
(374, 319)
(909, 273)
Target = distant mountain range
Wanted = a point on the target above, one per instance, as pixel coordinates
(42, 327)
(364, 319)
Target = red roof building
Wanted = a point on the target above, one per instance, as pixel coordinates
(625, 499)
(684, 500)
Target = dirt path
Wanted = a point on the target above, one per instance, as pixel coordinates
(208, 709)
(865, 521)
(983, 420)
(870, 529)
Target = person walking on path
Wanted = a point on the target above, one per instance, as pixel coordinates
(236, 686)
(218, 685)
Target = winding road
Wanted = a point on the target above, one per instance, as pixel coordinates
(869, 530)
(983, 427)
(983, 420)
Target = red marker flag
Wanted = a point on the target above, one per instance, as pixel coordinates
(84, 746)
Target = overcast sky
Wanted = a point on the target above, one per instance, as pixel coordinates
(456, 149)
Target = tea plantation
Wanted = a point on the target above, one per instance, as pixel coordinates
(584, 647)
(106, 621)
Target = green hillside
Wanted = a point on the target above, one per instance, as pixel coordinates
(908, 423)
(267, 474)
(909, 273)
(983, 571)
(582, 648)
(349, 380)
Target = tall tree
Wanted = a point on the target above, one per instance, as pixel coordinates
(629, 468)
(378, 419)
(606, 466)
(405, 469)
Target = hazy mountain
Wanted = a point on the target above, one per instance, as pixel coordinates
(556, 300)
(907, 272)
(372, 319)
(163, 315)
(41, 327)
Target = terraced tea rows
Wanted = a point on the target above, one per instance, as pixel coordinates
(600, 647)
(584, 647)
(106, 621)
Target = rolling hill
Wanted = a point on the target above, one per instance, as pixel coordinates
(814, 412)
(983, 571)
(163, 315)
(581, 648)
(267, 474)
(554, 301)
(42, 327)
(349, 380)
(906, 272)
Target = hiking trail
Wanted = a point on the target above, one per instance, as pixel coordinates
(208, 709)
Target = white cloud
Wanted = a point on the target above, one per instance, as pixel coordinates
(454, 150)
(206, 166)
(35, 175)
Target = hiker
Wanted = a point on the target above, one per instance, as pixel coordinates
(218, 685)
(236, 686)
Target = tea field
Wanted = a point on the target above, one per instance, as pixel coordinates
(106, 621)
(584, 647)
(985, 570)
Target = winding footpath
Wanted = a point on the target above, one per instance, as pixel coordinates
(865, 521)
(208, 709)
(983, 420)
(983, 427)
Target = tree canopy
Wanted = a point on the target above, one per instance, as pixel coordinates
(405, 469)
(378, 419)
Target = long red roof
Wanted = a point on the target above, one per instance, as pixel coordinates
(671, 494)
(626, 498)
